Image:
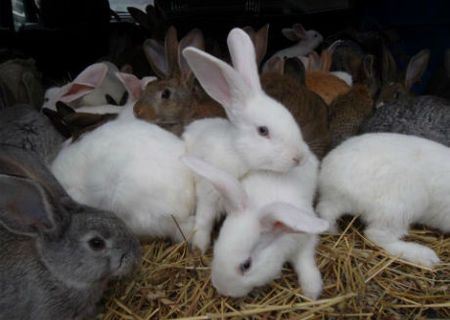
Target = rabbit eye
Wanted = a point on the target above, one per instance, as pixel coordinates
(97, 244)
(244, 267)
(263, 131)
(315, 36)
(165, 94)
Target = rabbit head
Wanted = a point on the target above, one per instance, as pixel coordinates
(79, 245)
(298, 33)
(90, 88)
(251, 249)
(169, 101)
(394, 88)
(265, 134)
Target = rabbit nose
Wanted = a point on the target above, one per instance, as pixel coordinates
(297, 159)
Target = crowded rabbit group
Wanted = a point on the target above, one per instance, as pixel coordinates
(281, 148)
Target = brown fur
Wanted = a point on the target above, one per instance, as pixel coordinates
(326, 85)
(307, 108)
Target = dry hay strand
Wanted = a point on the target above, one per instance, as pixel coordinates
(361, 281)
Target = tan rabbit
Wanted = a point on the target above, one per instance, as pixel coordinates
(348, 111)
(284, 80)
(175, 100)
(320, 80)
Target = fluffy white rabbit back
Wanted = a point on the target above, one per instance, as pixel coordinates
(260, 133)
(132, 168)
(270, 221)
(392, 181)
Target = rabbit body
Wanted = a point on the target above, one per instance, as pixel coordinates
(131, 167)
(391, 180)
(25, 127)
(260, 232)
(423, 116)
(56, 255)
(260, 133)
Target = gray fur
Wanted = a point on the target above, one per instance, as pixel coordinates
(51, 272)
(424, 116)
(25, 127)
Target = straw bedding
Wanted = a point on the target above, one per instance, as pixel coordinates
(360, 282)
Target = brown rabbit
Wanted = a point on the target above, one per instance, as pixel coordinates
(284, 80)
(348, 111)
(175, 100)
(319, 79)
(398, 86)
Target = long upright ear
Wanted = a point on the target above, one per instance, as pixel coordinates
(156, 57)
(260, 41)
(24, 207)
(416, 67)
(295, 68)
(325, 61)
(280, 216)
(232, 192)
(300, 31)
(388, 66)
(313, 62)
(274, 64)
(89, 79)
(171, 46)
(220, 81)
(243, 56)
(195, 39)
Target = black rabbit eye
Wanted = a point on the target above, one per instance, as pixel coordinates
(244, 267)
(315, 36)
(97, 244)
(263, 131)
(165, 94)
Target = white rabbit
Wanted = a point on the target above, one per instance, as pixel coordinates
(270, 221)
(131, 167)
(392, 181)
(260, 133)
(308, 40)
(89, 88)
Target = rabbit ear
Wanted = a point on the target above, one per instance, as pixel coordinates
(333, 46)
(232, 192)
(290, 34)
(243, 56)
(295, 68)
(388, 66)
(313, 61)
(260, 39)
(274, 64)
(325, 61)
(171, 46)
(24, 206)
(416, 67)
(132, 83)
(220, 81)
(367, 65)
(284, 217)
(89, 79)
(193, 39)
(156, 57)
(300, 31)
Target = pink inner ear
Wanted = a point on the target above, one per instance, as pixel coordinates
(76, 91)
(131, 83)
(92, 75)
(300, 31)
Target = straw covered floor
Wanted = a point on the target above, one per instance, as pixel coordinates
(360, 282)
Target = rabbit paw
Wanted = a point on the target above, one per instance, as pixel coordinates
(201, 240)
(312, 286)
(414, 252)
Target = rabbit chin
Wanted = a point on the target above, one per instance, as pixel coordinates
(228, 287)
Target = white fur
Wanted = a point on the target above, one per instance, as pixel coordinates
(345, 76)
(256, 207)
(303, 47)
(234, 145)
(392, 181)
(132, 168)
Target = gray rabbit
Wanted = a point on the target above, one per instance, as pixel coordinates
(424, 116)
(25, 127)
(56, 256)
